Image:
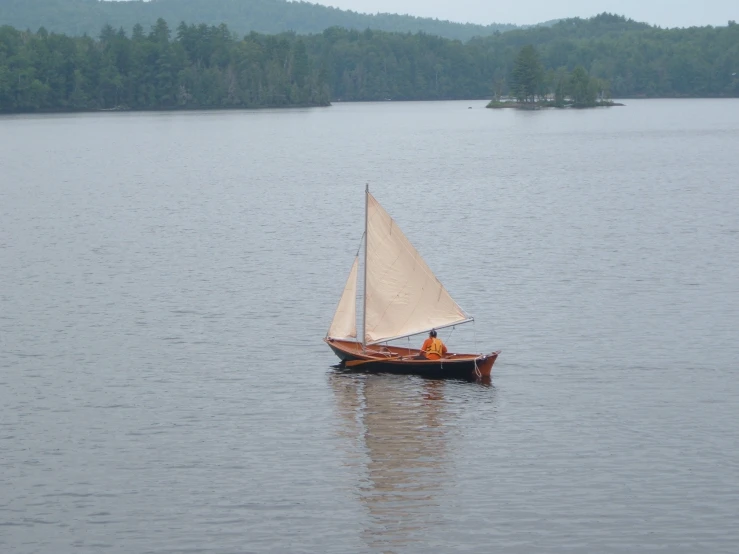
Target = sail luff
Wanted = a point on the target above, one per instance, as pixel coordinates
(344, 323)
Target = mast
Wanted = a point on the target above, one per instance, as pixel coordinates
(364, 282)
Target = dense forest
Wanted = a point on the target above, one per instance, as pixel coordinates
(638, 60)
(208, 66)
(78, 17)
(203, 67)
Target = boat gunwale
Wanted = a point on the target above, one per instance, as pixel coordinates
(354, 350)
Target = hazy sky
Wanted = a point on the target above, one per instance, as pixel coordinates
(666, 13)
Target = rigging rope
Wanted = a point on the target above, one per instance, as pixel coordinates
(360, 246)
(474, 333)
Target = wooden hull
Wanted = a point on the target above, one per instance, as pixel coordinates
(394, 359)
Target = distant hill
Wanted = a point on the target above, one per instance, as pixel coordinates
(78, 17)
(600, 26)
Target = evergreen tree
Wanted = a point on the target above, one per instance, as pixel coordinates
(527, 74)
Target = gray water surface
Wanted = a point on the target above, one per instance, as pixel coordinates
(166, 280)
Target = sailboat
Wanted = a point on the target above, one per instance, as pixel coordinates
(401, 297)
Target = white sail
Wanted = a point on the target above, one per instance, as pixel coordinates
(403, 296)
(344, 324)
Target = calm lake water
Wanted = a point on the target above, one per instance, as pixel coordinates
(166, 280)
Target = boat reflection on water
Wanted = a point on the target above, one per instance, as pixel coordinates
(397, 434)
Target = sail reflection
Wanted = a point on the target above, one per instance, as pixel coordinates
(397, 429)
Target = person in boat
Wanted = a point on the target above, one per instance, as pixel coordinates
(433, 348)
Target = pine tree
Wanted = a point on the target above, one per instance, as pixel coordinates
(527, 74)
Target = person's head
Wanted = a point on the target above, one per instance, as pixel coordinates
(432, 333)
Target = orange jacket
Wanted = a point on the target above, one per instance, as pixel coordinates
(433, 349)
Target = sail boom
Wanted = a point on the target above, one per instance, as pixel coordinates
(461, 322)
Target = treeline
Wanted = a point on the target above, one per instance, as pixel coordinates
(636, 59)
(78, 17)
(203, 67)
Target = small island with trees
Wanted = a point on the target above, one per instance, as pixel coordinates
(533, 88)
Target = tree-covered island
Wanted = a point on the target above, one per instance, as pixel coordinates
(533, 88)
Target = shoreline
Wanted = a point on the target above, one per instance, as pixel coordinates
(503, 105)
(52, 111)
